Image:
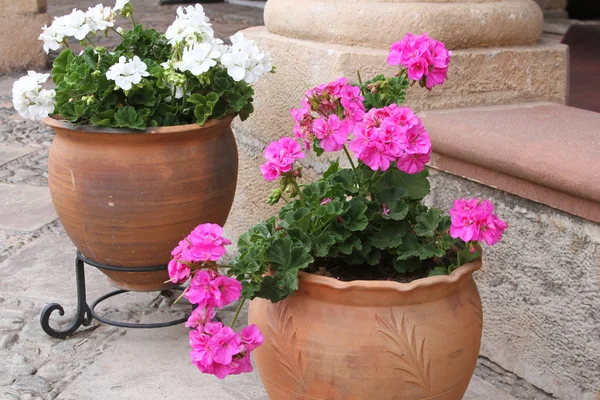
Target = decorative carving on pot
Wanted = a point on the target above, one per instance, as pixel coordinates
(408, 349)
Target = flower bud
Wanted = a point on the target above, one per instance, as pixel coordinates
(120, 30)
(274, 197)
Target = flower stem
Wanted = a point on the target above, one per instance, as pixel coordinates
(132, 19)
(180, 296)
(66, 44)
(237, 312)
(90, 40)
(372, 181)
(116, 31)
(352, 165)
(297, 190)
(362, 92)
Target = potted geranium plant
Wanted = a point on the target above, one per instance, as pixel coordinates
(143, 150)
(359, 289)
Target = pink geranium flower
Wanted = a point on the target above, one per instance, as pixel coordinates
(207, 242)
(270, 171)
(252, 337)
(200, 316)
(280, 156)
(423, 58)
(412, 163)
(332, 132)
(474, 220)
(225, 344)
(179, 272)
(225, 291)
(200, 291)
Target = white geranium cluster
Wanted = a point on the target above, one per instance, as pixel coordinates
(199, 51)
(30, 100)
(190, 26)
(79, 24)
(245, 61)
(127, 73)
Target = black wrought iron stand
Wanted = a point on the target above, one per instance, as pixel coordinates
(86, 313)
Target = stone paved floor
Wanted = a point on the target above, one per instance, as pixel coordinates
(36, 267)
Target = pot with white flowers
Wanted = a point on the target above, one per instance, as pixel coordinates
(359, 290)
(143, 150)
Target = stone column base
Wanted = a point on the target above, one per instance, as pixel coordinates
(19, 44)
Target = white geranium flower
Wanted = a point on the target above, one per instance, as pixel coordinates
(120, 4)
(191, 22)
(75, 24)
(30, 100)
(178, 31)
(178, 92)
(52, 37)
(218, 45)
(99, 18)
(199, 58)
(244, 61)
(127, 73)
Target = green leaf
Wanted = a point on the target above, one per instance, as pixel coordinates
(317, 147)
(300, 218)
(351, 244)
(410, 247)
(390, 235)
(104, 119)
(334, 167)
(437, 271)
(204, 106)
(322, 244)
(374, 257)
(333, 209)
(285, 255)
(431, 251)
(416, 186)
(144, 96)
(465, 256)
(392, 198)
(127, 117)
(346, 179)
(427, 223)
(355, 218)
(68, 112)
(60, 65)
(408, 265)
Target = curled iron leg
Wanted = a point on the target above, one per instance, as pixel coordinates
(83, 316)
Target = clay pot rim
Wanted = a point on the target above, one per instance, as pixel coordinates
(161, 130)
(461, 273)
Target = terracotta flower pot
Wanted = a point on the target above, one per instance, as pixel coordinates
(126, 198)
(375, 340)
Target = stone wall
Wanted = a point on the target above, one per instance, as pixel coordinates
(540, 290)
(21, 23)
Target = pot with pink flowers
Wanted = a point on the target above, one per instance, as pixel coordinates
(358, 290)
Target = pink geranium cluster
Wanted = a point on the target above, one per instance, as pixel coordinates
(328, 113)
(392, 134)
(218, 349)
(204, 243)
(280, 156)
(474, 220)
(423, 57)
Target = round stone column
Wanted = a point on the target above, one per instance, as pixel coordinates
(378, 23)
